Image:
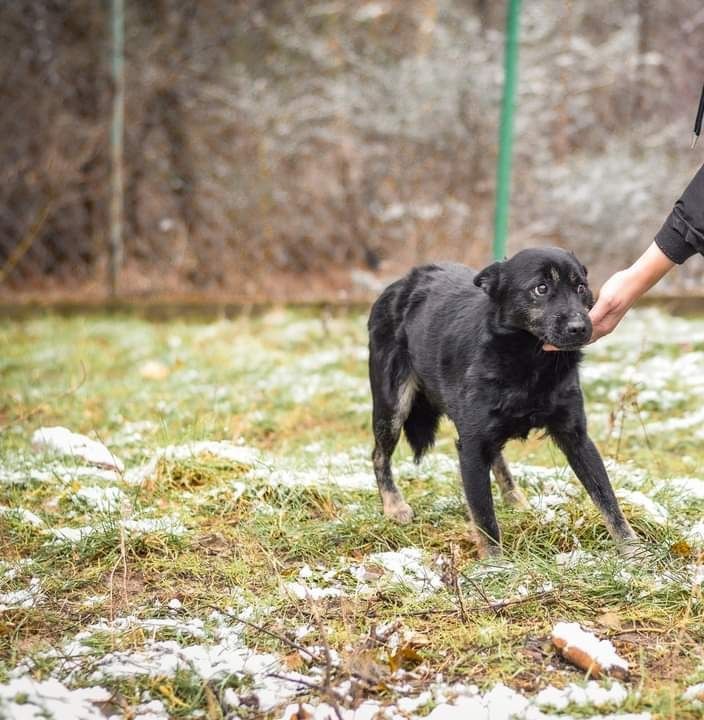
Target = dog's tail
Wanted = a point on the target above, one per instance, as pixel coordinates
(421, 425)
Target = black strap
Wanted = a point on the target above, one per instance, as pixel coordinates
(698, 121)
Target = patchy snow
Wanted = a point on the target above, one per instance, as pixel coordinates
(222, 450)
(601, 652)
(686, 487)
(10, 570)
(306, 478)
(23, 598)
(228, 656)
(28, 699)
(574, 558)
(679, 422)
(655, 510)
(64, 442)
(695, 694)
(303, 592)
(696, 532)
(24, 475)
(404, 566)
(168, 525)
(590, 694)
(461, 702)
(52, 471)
(26, 516)
(103, 499)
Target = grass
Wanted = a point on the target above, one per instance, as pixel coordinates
(293, 386)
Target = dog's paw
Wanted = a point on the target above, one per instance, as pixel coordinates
(487, 549)
(399, 511)
(516, 499)
(632, 548)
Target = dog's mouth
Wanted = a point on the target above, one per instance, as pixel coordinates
(567, 346)
(564, 343)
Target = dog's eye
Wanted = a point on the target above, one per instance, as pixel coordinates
(541, 289)
(581, 289)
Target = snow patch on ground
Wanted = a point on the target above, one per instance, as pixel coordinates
(655, 510)
(64, 442)
(695, 694)
(24, 598)
(28, 699)
(222, 450)
(102, 499)
(403, 566)
(168, 525)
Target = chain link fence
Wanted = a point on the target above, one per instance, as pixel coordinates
(300, 150)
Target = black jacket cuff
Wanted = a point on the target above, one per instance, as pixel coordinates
(675, 239)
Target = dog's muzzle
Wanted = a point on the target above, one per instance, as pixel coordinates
(572, 334)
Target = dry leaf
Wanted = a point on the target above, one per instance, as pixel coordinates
(214, 710)
(610, 620)
(682, 549)
(294, 661)
(154, 370)
(404, 655)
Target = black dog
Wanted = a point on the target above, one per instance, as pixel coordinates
(443, 340)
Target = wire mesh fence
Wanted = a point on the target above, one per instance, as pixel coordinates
(295, 150)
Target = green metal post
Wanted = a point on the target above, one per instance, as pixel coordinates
(116, 142)
(503, 169)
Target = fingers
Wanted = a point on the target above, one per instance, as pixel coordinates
(600, 310)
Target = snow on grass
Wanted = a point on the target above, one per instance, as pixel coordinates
(27, 699)
(695, 694)
(590, 694)
(696, 532)
(222, 450)
(294, 395)
(24, 598)
(168, 525)
(10, 570)
(103, 499)
(678, 422)
(655, 510)
(403, 566)
(227, 657)
(302, 591)
(688, 488)
(20, 471)
(22, 514)
(64, 442)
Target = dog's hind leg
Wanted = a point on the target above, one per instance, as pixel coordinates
(388, 420)
(510, 492)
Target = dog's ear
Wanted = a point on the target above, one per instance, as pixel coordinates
(577, 260)
(490, 279)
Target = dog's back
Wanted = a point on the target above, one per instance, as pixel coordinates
(410, 313)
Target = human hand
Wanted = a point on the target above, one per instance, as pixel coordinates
(616, 296)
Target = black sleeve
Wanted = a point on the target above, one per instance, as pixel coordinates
(682, 235)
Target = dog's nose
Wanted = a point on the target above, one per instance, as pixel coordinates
(577, 328)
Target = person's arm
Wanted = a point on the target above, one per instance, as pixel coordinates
(622, 289)
(680, 237)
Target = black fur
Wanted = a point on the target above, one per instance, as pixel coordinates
(444, 341)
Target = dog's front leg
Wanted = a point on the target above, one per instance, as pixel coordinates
(588, 466)
(474, 465)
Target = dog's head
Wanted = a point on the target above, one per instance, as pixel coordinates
(543, 291)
